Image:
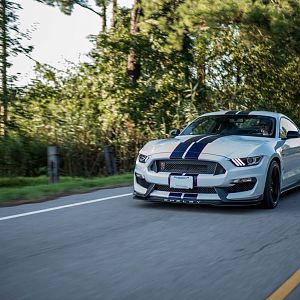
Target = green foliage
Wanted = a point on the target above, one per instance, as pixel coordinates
(24, 190)
(10, 45)
(22, 181)
(23, 156)
(195, 56)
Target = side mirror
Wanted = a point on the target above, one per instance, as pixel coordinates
(174, 132)
(292, 134)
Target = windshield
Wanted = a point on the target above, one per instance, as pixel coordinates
(232, 125)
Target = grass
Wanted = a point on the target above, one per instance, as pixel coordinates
(23, 189)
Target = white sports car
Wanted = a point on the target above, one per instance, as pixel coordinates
(225, 157)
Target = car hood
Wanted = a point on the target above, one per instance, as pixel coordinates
(230, 146)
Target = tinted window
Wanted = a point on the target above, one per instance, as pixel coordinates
(232, 125)
(285, 126)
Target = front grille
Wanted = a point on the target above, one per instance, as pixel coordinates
(197, 190)
(187, 166)
(240, 187)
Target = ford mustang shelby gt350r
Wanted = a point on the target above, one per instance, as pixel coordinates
(226, 157)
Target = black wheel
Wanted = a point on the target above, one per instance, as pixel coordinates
(272, 186)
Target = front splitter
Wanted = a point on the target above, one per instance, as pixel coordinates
(256, 201)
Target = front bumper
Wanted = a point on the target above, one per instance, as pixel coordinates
(210, 189)
(241, 202)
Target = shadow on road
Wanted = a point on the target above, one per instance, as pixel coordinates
(199, 208)
(291, 193)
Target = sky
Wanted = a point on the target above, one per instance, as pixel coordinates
(56, 37)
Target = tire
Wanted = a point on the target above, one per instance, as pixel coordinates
(272, 186)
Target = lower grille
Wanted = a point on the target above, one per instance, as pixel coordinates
(197, 190)
(240, 187)
(141, 181)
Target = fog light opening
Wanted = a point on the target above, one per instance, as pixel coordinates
(139, 176)
(244, 180)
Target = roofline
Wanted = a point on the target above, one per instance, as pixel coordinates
(244, 112)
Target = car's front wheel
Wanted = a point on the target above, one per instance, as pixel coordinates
(272, 186)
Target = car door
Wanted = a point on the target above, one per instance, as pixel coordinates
(290, 154)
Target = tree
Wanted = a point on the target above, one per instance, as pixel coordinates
(184, 57)
(67, 7)
(3, 53)
(133, 65)
(10, 44)
(114, 13)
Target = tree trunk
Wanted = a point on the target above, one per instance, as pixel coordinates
(201, 63)
(3, 66)
(114, 13)
(104, 9)
(133, 66)
(201, 74)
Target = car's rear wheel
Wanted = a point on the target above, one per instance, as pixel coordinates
(272, 186)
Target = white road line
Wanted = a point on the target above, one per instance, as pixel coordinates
(62, 206)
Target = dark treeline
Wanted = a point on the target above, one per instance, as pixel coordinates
(156, 67)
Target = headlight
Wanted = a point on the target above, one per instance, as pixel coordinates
(143, 158)
(246, 161)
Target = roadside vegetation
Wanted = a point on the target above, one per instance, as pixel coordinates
(154, 67)
(27, 189)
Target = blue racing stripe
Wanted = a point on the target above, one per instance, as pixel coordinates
(175, 195)
(198, 147)
(232, 112)
(236, 112)
(195, 150)
(182, 147)
(244, 112)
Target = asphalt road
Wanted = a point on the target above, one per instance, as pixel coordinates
(122, 248)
